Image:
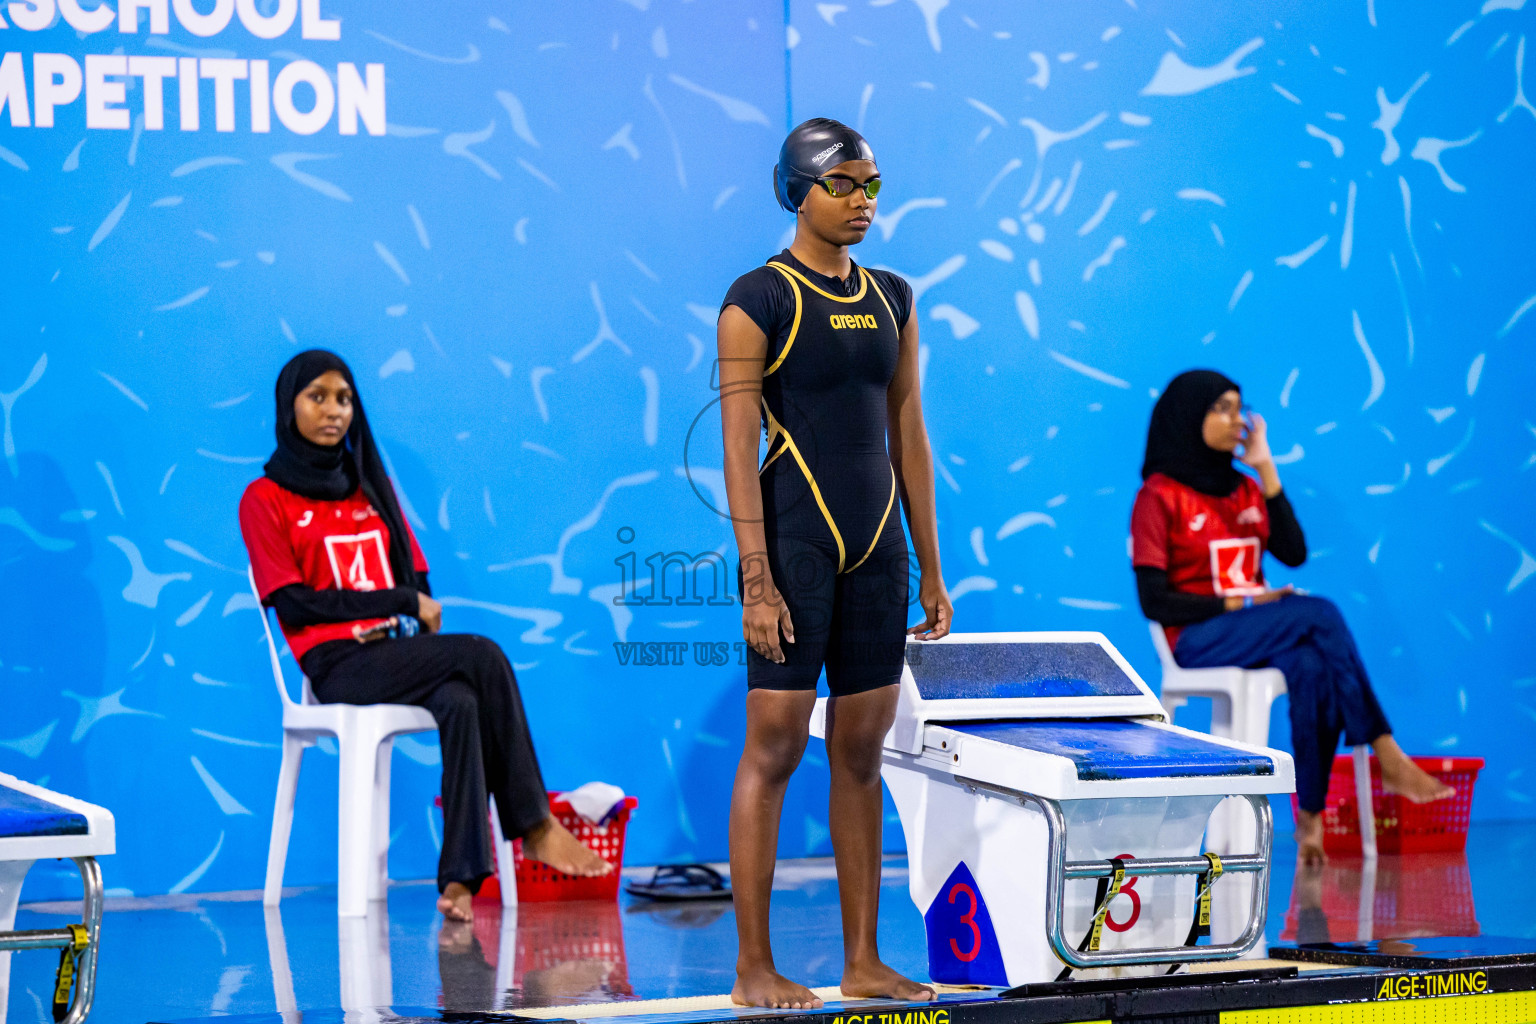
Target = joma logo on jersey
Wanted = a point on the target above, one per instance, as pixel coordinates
(841, 320)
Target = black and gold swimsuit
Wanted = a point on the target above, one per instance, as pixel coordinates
(832, 514)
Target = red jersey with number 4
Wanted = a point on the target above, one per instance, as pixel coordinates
(1207, 544)
(325, 545)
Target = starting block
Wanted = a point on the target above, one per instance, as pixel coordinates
(1053, 816)
(38, 824)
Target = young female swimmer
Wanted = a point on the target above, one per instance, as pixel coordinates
(822, 353)
(1198, 532)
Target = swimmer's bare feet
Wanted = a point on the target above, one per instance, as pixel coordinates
(1400, 775)
(767, 987)
(875, 980)
(1309, 840)
(456, 903)
(551, 844)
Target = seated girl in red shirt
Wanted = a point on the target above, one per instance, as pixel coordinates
(1199, 531)
(331, 553)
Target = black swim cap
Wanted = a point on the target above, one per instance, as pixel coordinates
(807, 153)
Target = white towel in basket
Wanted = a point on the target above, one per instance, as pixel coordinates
(596, 801)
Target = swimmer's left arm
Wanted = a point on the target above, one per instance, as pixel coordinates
(912, 461)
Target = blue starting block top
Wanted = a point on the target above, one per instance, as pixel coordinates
(1112, 749)
(22, 814)
(981, 671)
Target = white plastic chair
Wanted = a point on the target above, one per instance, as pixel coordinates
(365, 734)
(1241, 699)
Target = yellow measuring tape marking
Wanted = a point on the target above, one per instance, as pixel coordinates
(1207, 880)
(1103, 909)
(69, 967)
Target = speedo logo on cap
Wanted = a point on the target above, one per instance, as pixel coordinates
(819, 157)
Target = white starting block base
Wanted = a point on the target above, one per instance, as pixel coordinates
(992, 842)
(38, 824)
(1020, 764)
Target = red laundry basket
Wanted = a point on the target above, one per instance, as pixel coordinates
(1401, 826)
(540, 883)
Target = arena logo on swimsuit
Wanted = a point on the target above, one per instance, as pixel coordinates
(841, 320)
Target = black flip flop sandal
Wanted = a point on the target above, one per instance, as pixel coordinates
(675, 882)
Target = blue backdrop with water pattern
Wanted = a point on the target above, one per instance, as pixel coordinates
(1325, 202)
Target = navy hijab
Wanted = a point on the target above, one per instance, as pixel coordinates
(1175, 439)
(335, 472)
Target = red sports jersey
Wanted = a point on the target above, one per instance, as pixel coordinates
(325, 545)
(1207, 544)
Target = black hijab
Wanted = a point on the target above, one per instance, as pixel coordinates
(334, 472)
(1175, 440)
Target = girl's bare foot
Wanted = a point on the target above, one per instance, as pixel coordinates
(767, 987)
(456, 903)
(1309, 840)
(550, 843)
(877, 981)
(1400, 775)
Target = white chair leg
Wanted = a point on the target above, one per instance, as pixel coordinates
(1172, 702)
(1365, 923)
(354, 821)
(506, 956)
(1225, 714)
(277, 958)
(378, 865)
(356, 966)
(383, 976)
(1255, 722)
(1364, 802)
(506, 872)
(366, 981)
(282, 818)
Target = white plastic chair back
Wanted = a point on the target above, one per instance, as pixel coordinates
(277, 663)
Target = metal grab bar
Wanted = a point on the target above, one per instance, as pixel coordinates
(1058, 871)
(50, 938)
(1164, 866)
(60, 938)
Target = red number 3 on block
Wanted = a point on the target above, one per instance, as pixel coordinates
(968, 918)
(1128, 889)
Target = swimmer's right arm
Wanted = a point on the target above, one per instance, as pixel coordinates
(743, 352)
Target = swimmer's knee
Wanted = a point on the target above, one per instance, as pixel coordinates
(775, 755)
(857, 757)
(858, 732)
